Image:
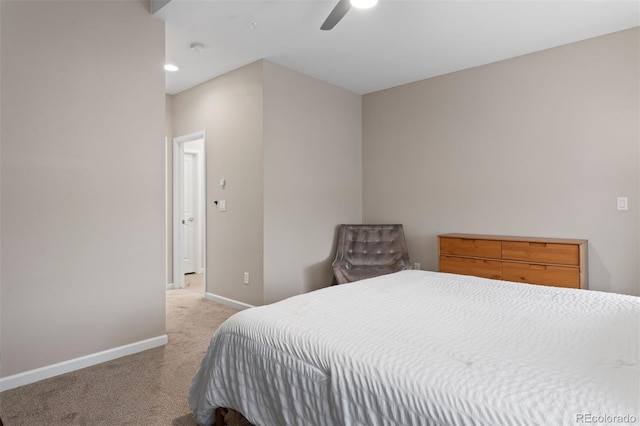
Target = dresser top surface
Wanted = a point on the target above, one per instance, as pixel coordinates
(513, 238)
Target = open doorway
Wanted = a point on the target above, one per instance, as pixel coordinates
(189, 212)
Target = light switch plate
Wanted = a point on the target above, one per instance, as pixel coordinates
(623, 203)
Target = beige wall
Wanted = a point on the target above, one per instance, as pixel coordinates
(229, 109)
(539, 145)
(312, 178)
(82, 180)
(1, 316)
(290, 148)
(168, 131)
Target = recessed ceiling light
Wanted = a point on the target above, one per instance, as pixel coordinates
(363, 4)
(170, 67)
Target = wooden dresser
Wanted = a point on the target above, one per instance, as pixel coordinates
(547, 261)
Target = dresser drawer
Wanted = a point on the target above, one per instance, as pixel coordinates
(470, 247)
(558, 276)
(528, 251)
(467, 266)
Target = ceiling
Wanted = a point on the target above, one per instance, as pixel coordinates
(394, 43)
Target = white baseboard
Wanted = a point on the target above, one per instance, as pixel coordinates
(53, 370)
(172, 286)
(227, 301)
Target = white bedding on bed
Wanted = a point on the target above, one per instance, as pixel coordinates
(425, 348)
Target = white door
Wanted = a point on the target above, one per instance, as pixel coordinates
(189, 201)
(190, 213)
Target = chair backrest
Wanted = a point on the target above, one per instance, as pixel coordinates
(381, 247)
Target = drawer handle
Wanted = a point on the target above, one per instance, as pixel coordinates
(537, 244)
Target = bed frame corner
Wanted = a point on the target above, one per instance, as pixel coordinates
(219, 416)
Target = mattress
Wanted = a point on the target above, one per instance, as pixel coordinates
(427, 348)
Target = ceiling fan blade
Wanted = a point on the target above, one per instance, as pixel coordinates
(336, 14)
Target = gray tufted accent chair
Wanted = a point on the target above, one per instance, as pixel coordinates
(366, 251)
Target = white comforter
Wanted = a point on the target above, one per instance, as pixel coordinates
(424, 348)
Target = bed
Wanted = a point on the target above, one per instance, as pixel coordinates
(427, 348)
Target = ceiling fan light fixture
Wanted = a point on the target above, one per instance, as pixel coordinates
(363, 4)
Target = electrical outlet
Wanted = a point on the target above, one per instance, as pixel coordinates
(246, 278)
(416, 265)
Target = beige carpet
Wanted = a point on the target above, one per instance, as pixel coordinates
(149, 388)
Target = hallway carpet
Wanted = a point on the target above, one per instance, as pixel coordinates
(148, 388)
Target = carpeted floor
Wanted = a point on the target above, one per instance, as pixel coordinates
(148, 388)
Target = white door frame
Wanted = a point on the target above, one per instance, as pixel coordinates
(178, 187)
(198, 155)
